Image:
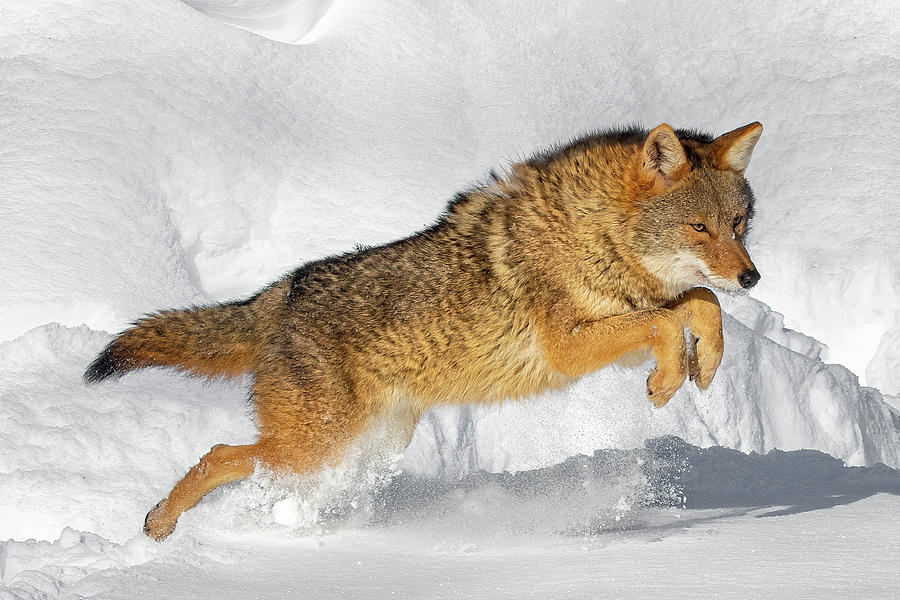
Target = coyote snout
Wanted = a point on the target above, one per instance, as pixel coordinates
(727, 265)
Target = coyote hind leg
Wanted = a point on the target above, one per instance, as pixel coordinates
(301, 427)
(222, 464)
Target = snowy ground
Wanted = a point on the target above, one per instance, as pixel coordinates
(155, 155)
(714, 553)
(795, 524)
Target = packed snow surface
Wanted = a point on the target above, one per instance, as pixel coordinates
(157, 156)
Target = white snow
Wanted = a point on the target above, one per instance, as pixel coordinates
(92, 456)
(576, 530)
(156, 156)
(291, 21)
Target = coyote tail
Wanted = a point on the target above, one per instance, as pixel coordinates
(209, 341)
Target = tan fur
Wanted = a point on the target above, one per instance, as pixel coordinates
(563, 264)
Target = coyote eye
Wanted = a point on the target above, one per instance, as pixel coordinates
(737, 220)
(698, 226)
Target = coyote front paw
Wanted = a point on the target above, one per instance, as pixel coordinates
(662, 385)
(705, 358)
(157, 524)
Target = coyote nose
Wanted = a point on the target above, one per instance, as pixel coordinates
(748, 278)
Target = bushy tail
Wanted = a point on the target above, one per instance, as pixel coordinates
(209, 341)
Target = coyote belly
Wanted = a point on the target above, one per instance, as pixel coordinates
(559, 265)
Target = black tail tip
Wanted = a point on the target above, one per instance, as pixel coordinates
(103, 367)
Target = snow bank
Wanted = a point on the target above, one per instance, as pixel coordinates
(290, 21)
(256, 156)
(92, 458)
(156, 157)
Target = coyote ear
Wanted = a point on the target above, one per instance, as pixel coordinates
(663, 157)
(732, 150)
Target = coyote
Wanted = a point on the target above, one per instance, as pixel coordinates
(556, 266)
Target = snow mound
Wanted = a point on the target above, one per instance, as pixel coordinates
(204, 160)
(883, 370)
(290, 21)
(93, 458)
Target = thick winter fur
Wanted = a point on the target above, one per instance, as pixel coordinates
(560, 265)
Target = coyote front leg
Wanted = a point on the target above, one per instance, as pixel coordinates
(699, 310)
(577, 349)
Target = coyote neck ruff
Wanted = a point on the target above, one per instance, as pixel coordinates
(560, 265)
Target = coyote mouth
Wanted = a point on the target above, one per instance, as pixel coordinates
(710, 279)
(723, 285)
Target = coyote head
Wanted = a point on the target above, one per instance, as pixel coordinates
(695, 208)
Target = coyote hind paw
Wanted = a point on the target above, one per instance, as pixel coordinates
(156, 524)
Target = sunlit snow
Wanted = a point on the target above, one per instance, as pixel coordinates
(161, 154)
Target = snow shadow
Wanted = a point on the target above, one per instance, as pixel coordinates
(607, 491)
(789, 482)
